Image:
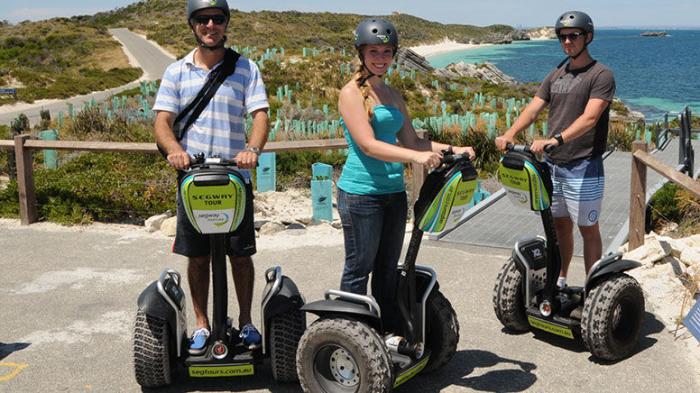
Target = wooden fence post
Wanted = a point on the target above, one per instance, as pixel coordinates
(419, 173)
(638, 196)
(25, 181)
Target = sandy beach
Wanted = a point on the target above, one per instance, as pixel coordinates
(447, 45)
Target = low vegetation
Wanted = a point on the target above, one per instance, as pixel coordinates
(60, 58)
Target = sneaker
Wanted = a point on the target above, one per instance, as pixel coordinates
(198, 342)
(250, 336)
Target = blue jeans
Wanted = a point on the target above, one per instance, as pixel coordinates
(373, 228)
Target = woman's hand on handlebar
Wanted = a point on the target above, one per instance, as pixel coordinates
(179, 160)
(466, 150)
(538, 146)
(429, 159)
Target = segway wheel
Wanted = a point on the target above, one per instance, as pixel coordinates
(151, 351)
(340, 355)
(442, 331)
(611, 323)
(508, 300)
(285, 332)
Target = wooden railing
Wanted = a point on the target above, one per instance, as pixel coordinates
(24, 147)
(640, 161)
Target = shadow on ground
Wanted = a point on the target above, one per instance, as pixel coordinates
(470, 368)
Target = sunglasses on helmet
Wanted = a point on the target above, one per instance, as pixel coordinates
(204, 19)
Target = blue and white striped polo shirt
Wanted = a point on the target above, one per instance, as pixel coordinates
(220, 129)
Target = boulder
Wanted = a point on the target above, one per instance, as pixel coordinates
(271, 228)
(168, 226)
(652, 251)
(153, 223)
(484, 71)
(408, 59)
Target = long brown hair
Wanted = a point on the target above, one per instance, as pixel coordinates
(360, 77)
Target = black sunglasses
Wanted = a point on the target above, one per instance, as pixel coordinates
(204, 19)
(571, 36)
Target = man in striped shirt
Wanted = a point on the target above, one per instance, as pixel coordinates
(218, 131)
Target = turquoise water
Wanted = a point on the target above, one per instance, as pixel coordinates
(653, 75)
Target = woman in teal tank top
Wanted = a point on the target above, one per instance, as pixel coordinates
(371, 194)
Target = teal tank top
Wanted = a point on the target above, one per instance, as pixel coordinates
(365, 175)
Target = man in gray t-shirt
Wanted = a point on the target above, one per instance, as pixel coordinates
(578, 94)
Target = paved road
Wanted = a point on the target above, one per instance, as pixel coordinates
(145, 54)
(69, 297)
(502, 224)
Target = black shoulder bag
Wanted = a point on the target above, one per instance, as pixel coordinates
(196, 106)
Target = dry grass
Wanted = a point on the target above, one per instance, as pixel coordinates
(108, 58)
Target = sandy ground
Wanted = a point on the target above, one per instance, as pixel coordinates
(446, 45)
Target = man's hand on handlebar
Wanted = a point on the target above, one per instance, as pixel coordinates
(503, 141)
(179, 160)
(538, 146)
(246, 159)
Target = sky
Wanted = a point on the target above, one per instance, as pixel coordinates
(517, 13)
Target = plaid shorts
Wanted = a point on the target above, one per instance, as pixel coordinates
(578, 190)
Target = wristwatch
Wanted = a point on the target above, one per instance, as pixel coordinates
(559, 138)
(255, 150)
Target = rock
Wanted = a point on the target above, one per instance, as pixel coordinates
(652, 250)
(271, 228)
(295, 225)
(259, 223)
(654, 34)
(690, 256)
(541, 33)
(306, 220)
(485, 71)
(153, 223)
(408, 59)
(168, 226)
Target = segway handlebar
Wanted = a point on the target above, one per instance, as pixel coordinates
(199, 160)
(526, 148)
(449, 157)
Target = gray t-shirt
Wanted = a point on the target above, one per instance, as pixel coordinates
(567, 92)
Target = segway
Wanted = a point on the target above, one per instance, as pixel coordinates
(348, 349)
(605, 313)
(214, 196)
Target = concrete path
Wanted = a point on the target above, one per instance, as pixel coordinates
(502, 224)
(69, 298)
(140, 51)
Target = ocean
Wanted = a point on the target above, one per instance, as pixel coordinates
(654, 75)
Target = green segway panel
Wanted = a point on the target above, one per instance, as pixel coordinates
(525, 184)
(456, 191)
(214, 199)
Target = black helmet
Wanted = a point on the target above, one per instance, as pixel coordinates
(376, 32)
(574, 20)
(196, 5)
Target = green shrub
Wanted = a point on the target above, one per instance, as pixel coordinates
(665, 207)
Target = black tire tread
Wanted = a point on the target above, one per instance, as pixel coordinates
(285, 332)
(507, 298)
(151, 351)
(596, 309)
(444, 333)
